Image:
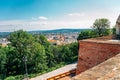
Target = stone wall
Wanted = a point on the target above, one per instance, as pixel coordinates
(93, 53)
(107, 70)
(118, 26)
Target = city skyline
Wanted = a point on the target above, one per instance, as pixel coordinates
(55, 14)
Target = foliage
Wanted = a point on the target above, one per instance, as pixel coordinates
(113, 30)
(41, 57)
(26, 46)
(87, 34)
(69, 52)
(3, 59)
(101, 26)
(10, 78)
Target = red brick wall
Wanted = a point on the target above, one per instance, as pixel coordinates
(93, 53)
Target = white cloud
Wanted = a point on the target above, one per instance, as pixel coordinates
(43, 18)
(40, 18)
(61, 22)
(12, 22)
(33, 18)
(76, 14)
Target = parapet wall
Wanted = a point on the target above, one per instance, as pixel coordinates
(108, 70)
(92, 53)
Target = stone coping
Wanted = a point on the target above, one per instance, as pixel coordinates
(108, 70)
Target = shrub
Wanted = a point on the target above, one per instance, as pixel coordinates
(10, 78)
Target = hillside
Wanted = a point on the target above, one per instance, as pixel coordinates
(4, 34)
(58, 31)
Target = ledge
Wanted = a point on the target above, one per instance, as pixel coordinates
(108, 70)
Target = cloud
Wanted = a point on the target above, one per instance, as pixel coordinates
(13, 25)
(60, 22)
(76, 14)
(40, 18)
(39, 25)
(33, 18)
(43, 18)
(12, 22)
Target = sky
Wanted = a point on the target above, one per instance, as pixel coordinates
(55, 14)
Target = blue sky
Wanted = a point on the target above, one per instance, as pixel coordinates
(55, 14)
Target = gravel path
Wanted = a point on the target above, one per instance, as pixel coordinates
(56, 72)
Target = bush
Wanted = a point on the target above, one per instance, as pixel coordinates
(19, 77)
(10, 78)
(113, 30)
(87, 34)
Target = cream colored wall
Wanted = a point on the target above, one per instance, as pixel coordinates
(117, 29)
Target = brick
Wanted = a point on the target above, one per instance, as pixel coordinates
(93, 53)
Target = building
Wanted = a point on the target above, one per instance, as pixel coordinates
(108, 70)
(118, 26)
(4, 42)
(95, 51)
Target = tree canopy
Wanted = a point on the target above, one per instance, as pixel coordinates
(39, 55)
(101, 26)
(87, 34)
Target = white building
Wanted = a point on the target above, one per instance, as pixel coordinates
(118, 26)
(4, 42)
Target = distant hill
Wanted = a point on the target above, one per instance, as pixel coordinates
(58, 31)
(4, 34)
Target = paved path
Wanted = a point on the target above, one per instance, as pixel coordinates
(56, 72)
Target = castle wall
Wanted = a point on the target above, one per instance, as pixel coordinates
(93, 53)
(107, 70)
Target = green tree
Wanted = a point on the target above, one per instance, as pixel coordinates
(3, 59)
(101, 26)
(25, 45)
(48, 50)
(114, 30)
(87, 34)
(21, 41)
(37, 58)
(56, 51)
(42, 40)
(41, 56)
(6, 63)
(65, 53)
(51, 56)
(74, 51)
